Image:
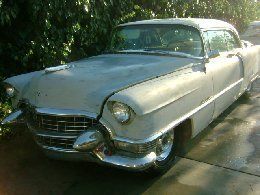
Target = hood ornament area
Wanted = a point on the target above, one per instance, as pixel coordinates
(58, 68)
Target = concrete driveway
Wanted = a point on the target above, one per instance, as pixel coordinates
(224, 159)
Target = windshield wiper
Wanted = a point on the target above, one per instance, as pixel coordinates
(125, 51)
(157, 51)
(172, 53)
(131, 51)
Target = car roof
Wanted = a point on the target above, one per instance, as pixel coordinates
(199, 23)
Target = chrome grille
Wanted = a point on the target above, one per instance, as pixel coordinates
(58, 131)
(57, 142)
(66, 124)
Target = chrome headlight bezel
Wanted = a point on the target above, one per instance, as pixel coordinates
(10, 90)
(121, 112)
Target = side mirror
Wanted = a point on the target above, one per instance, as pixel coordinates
(213, 54)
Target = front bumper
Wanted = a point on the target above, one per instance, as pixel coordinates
(115, 160)
(92, 145)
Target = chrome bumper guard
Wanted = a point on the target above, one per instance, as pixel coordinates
(12, 118)
(92, 143)
(137, 164)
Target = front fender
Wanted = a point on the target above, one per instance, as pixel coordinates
(159, 102)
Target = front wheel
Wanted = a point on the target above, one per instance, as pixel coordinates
(166, 153)
(248, 90)
(249, 87)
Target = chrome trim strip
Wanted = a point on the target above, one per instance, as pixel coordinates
(179, 120)
(50, 133)
(57, 149)
(227, 89)
(66, 112)
(254, 78)
(56, 136)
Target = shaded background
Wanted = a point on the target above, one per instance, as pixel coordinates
(42, 33)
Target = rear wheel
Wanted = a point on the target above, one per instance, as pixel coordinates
(165, 154)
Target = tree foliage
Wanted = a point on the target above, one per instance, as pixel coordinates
(36, 34)
(258, 11)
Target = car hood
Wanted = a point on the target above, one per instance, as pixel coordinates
(88, 82)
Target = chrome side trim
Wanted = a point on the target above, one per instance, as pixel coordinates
(179, 120)
(66, 112)
(254, 78)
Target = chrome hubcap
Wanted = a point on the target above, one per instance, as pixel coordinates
(164, 146)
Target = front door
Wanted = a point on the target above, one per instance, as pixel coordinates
(227, 69)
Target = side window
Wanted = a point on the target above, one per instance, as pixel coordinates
(217, 41)
(232, 41)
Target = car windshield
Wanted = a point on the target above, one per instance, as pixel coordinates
(162, 39)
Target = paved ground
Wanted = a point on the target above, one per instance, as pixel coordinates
(225, 159)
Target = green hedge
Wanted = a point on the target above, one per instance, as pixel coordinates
(38, 33)
(35, 34)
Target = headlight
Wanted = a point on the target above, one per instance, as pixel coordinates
(10, 90)
(121, 112)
